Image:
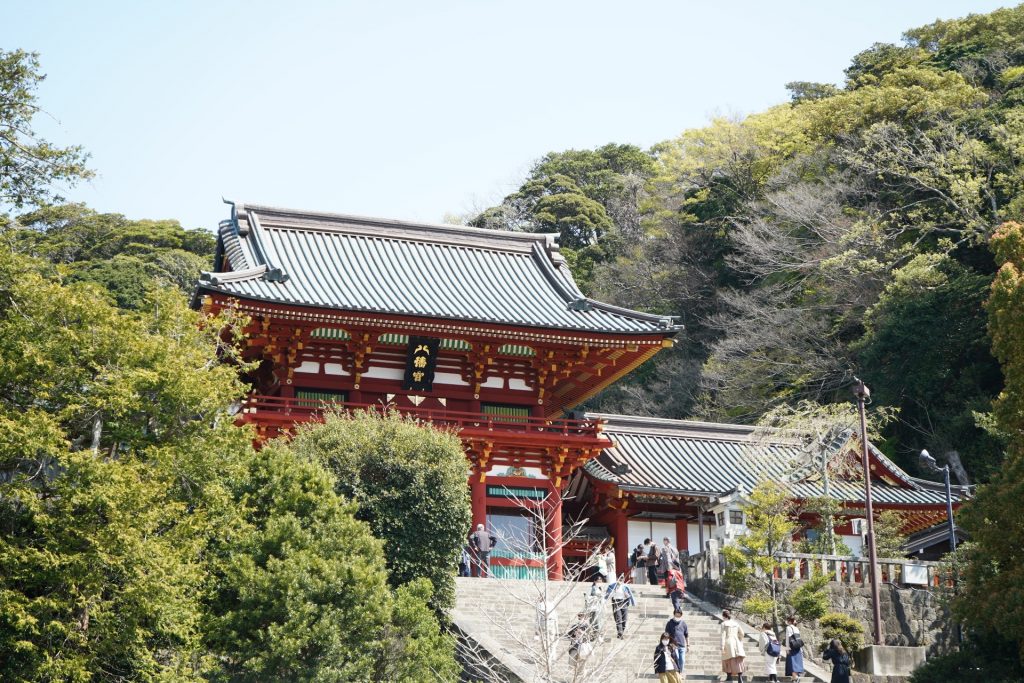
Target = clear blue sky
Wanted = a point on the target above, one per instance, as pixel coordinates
(407, 109)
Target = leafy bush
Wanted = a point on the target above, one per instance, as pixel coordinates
(409, 480)
(984, 658)
(810, 601)
(848, 630)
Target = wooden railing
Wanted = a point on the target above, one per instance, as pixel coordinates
(852, 570)
(303, 409)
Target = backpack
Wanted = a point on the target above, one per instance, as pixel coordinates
(773, 649)
(795, 643)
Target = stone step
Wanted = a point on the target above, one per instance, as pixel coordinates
(502, 613)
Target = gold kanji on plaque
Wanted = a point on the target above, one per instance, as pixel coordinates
(420, 362)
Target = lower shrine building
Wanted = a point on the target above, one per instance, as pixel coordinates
(485, 332)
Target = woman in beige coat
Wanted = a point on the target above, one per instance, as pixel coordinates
(732, 648)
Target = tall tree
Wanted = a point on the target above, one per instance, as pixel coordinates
(30, 167)
(991, 595)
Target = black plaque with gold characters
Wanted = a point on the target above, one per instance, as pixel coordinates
(420, 362)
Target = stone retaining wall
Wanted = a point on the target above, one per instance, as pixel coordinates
(910, 616)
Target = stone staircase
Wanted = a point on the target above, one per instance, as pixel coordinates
(499, 641)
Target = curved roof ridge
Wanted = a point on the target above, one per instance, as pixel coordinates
(687, 428)
(341, 219)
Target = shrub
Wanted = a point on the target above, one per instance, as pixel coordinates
(810, 601)
(984, 658)
(848, 630)
(409, 480)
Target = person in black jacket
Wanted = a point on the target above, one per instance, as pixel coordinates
(841, 663)
(666, 662)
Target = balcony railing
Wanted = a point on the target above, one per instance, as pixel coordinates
(291, 410)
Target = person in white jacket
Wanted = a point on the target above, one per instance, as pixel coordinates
(733, 654)
(768, 640)
(546, 629)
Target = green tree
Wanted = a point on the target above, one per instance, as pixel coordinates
(990, 596)
(753, 562)
(889, 535)
(925, 350)
(30, 167)
(848, 630)
(409, 480)
(414, 645)
(298, 590)
(113, 443)
(127, 258)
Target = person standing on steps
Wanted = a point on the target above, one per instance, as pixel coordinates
(668, 558)
(666, 665)
(639, 558)
(841, 664)
(676, 628)
(545, 630)
(593, 605)
(652, 562)
(794, 651)
(465, 562)
(733, 654)
(482, 542)
(609, 563)
(580, 636)
(771, 648)
(601, 565)
(675, 584)
(622, 599)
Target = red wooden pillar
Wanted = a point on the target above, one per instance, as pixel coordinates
(682, 535)
(478, 499)
(554, 534)
(620, 532)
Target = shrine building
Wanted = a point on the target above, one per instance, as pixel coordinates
(486, 333)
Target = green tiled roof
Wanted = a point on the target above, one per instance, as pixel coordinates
(439, 271)
(709, 459)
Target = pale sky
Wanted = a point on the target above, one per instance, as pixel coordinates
(407, 109)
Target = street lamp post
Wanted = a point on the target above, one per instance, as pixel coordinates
(862, 393)
(928, 462)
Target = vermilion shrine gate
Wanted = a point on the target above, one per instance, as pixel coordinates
(479, 330)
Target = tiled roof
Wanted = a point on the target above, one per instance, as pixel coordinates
(395, 267)
(709, 460)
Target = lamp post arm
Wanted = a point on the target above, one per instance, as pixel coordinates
(949, 511)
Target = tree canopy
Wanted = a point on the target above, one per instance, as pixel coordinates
(842, 233)
(30, 167)
(410, 483)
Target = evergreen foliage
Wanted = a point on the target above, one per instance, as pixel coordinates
(848, 630)
(30, 166)
(298, 592)
(991, 597)
(126, 258)
(983, 658)
(409, 480)
(754, 560)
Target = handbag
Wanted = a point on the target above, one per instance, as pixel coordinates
(795, 642)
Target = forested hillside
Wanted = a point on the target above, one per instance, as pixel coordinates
(842, 233)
